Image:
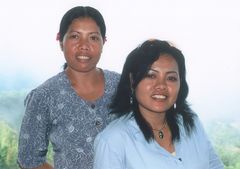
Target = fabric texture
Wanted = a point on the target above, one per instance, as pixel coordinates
(123, 146)
(55, 113)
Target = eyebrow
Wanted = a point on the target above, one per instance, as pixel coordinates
(169, 72)
(71, 31)
(172, 72)
(98, 33)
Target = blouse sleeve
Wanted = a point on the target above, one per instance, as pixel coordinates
(109, 153)
(33, 138)
(214, 160)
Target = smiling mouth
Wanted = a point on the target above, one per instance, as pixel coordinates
(83, 57)
(159, 97)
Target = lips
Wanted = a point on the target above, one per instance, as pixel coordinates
(82, 57)
(160, 97)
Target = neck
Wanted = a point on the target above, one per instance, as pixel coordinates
(160, 127)
(83, 77)
(156, 120)
(88, 85)
(159, 130)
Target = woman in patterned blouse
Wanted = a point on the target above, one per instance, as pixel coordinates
(70, 108)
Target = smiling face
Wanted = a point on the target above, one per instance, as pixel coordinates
(158, 91)
(82, 45)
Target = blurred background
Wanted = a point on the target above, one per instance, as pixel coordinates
(207, 32)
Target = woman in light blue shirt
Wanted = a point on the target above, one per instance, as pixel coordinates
(155, 128)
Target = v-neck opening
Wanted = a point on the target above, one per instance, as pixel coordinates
(88, 102)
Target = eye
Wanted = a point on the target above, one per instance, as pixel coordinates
(151, 75)
(95, 38)
(73, 36)
(172, 78)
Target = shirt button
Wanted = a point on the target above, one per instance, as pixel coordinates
(92, 106)
(97, 123)
(89, 139)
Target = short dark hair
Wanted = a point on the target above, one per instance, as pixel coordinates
(138, 63)
(81, 12)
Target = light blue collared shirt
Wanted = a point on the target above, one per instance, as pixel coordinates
(122, 146)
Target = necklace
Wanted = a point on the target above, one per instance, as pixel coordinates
(160, 132)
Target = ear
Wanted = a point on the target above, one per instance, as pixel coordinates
(104, 40)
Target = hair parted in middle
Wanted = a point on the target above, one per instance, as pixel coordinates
(80, 12)
(137, 64)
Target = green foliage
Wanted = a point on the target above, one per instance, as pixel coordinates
(8, 147)
(11, 113)
(226, 139)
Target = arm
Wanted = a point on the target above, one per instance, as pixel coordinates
(108, 153)
(33, 138)
(44, 166)
(214, 160)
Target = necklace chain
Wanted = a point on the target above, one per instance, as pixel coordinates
(160, 131)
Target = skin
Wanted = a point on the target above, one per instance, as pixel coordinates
(82, 47)
(45, 166)
(156, 93)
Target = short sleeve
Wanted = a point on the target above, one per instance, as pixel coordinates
(108, 153)
(33, 138)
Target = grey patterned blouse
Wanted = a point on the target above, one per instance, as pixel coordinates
(55, 113)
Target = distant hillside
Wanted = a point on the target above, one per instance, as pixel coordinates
(12, 107)
(17, 81)
(225, 137)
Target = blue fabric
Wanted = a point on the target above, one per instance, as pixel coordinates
(55, 113)
(122, 146)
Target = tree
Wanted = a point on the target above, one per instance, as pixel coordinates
(8, 147)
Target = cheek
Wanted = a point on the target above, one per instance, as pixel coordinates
(98, 48)
(142, 91)
(137, 92)
(175, 90)
(66, 46)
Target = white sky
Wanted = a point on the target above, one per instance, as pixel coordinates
(207, 31)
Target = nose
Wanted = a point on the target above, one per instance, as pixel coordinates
(161, 84)
(83, 44)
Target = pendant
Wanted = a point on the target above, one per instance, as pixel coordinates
(160, 134)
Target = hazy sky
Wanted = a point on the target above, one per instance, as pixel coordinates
(207, 32)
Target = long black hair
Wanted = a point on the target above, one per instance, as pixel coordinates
(137, 64)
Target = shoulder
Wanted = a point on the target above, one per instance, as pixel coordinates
(198, 124)
(111, 75)
(113, 140)
(47, 88)
(116, 131)
(111, 144)
(198, 131)
(111, 81)
(53, 82)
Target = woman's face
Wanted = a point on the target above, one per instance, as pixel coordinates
(82, 45)
(158, 91)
